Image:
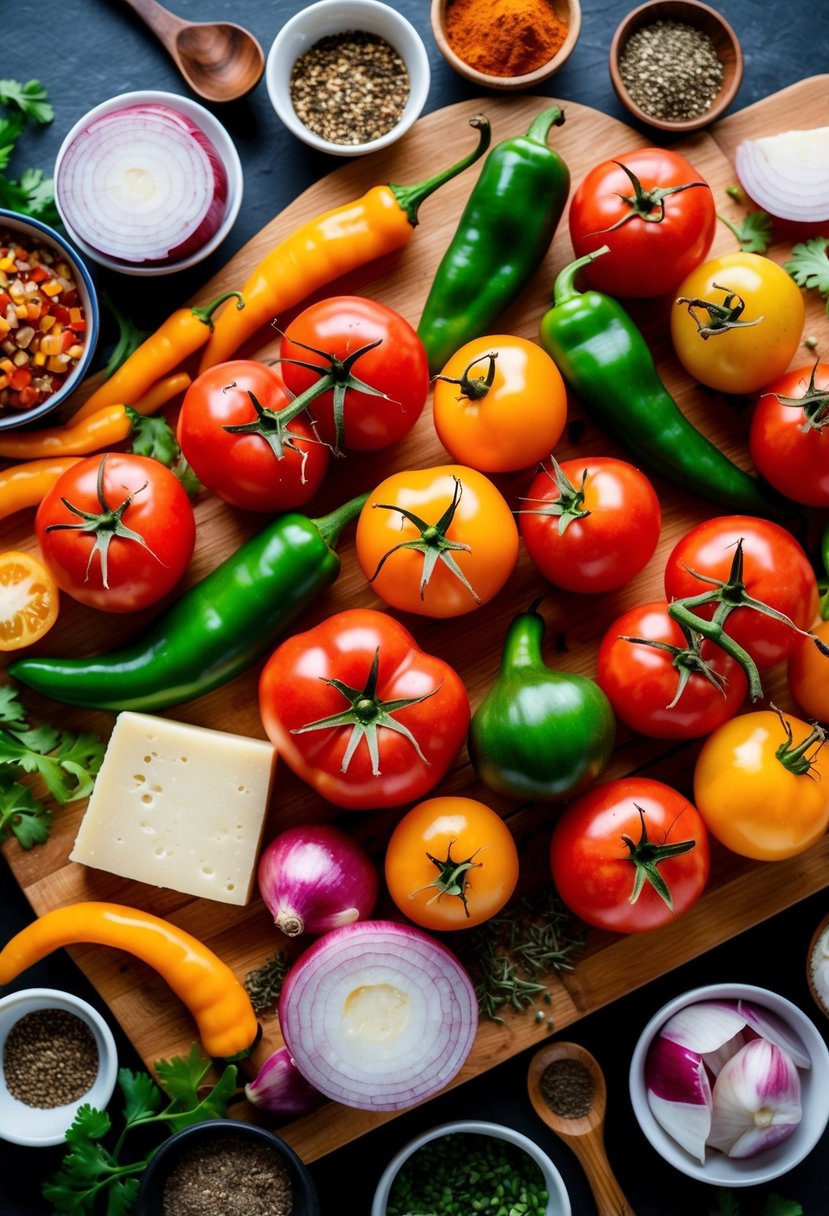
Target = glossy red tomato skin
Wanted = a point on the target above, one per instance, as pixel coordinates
(398, 367)
(792, 459)
(608, 547)
(243, 469)
(646, 258)
(589, 862)
(293, 691)
(776, 571)
(161, 513)
(641, 681)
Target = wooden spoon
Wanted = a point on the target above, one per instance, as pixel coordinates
(219, 60)
(585, 1133)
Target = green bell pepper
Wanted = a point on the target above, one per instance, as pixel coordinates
(504, 232)
(538, 733)
(606, 362)
(214, 631)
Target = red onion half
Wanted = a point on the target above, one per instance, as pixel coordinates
(378, 1015)
(314, 878)
(142, 184)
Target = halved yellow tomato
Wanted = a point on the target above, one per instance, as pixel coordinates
(29, 600)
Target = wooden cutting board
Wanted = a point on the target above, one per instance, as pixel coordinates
(740, 893)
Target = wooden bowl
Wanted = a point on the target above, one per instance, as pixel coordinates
(704, 18)
(568, 11)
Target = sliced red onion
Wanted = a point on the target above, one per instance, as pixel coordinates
(378, 1015)
(773, 1028)
(788, 174)
(142, 184)
(280, 1088)
(704, 1026)
(314, 878)
(679, 1094)
(756, 1100)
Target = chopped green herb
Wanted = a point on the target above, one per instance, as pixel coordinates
(755, 232)
(727, 1204)
(264, 985)
(809, 265)
(31, 194)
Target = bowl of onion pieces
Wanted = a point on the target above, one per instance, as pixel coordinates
(730, 1084)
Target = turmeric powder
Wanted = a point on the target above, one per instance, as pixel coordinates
(504, 37)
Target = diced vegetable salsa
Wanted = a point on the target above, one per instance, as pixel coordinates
(42, 322)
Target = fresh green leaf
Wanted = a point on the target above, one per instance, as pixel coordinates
(141, 1094)
(130, 337)
(153, 437)
(809, 265)
(22, 814)
(181, 1077)
(212, 1106)
(10, 129)
(32, 194)
(725, 1205)
(777, 1206)
(66, 761)
(89, 1124)
(31, 98)
(122, 1196)
(39, 193)
(11, 711)
(755, 232)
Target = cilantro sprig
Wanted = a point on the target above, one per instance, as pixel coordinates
(67, 763)
(727, 1204)
(32, 193)
(809, 265)
(754, 232)
(91, 1171)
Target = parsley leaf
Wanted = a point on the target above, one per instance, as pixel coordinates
(726, 1205)
(153, 437)
(22, 814)
(30, 98)
(777, 1206)
(32, 194)
(755, 232)
(809, 265)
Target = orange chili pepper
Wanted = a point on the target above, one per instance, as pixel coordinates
(218, 1002)
(26, 485)
(184, 332)
(326, 247)
(106, 426)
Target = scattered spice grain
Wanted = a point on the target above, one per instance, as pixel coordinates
(504, 37)
(50, 1058)
(671, 70)
(567, 1088)
(228, 1175)
(350, 88)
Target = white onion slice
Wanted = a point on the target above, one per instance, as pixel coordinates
(788, 174)
(705, 1026)
(142, 184)
(378, 1015)
(756, 1100)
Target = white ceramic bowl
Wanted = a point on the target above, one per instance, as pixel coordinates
(308, 26)
(718, 1169)
(558, 1203)
(35, 230)
(31, 1125)
(221, 141)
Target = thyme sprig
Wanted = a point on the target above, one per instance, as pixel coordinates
(264, 985)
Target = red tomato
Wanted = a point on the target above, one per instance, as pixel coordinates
(360, 713)
(644, 684)
(602, 842)
(268, 466)
(144, 541)
(661, 235)
(612, 527)
(393, 364)
(776, 572)
(790, 442)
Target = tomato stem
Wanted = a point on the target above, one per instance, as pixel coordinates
(647, 856)
(474, 387)
(721, 317)
(570, 503)
(647, 205)
(794, 758)
(451, 877)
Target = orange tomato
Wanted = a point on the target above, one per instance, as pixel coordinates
(808, 675)
(439, 542)
(451, 863)
(500, 404)
(29, 600)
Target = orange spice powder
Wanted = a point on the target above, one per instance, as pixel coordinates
(504, 37)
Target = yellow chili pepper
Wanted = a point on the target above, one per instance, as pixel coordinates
(218, 1002)
(184, 332)
(25, 485)
(92, 433)
(326, 247)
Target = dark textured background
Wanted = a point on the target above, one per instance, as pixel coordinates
(85, 51)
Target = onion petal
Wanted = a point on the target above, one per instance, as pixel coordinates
(279, 1087)
(714, 1060)
(769, 1026)
(378, 1015)
(704, 1026)
(756, 1100)
(788, 174)
(679, 1094)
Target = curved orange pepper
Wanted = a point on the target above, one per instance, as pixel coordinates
(26, 485)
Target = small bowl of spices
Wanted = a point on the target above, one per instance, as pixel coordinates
(222, 1167)
(506, 44)
(57, 1054)
(348, 76)
(676, 65)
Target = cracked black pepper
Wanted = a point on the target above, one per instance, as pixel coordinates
(671, 70)
(350, 88)
(50, 1058)
(229, 1175)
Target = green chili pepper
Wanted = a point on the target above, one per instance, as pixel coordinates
(214, 631)
(606, 362)
(504, 232)
(539, 733)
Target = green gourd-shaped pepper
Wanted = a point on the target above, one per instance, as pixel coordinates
(539, 734)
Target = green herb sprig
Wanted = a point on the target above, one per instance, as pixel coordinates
(809, 265)
(727, 1204)
(264, 985)
(90, 1171)
(754, 232)
(31, 194)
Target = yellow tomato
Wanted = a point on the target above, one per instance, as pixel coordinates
(451, 863)
(761, 783)
(808, 675)
(28, 600)
(500, 404)
(737, 322)
(439, 542)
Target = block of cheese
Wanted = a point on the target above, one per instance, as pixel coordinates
(178, 806)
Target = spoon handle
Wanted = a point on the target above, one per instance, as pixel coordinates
(164, 24)
(610, 1199)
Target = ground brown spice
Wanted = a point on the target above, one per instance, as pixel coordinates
(229, 1175)
(567, 1088)
(50, 1058)
(504, 37)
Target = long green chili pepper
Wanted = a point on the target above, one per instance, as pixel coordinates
(606, 362)
(504, 232)
(214, 631)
